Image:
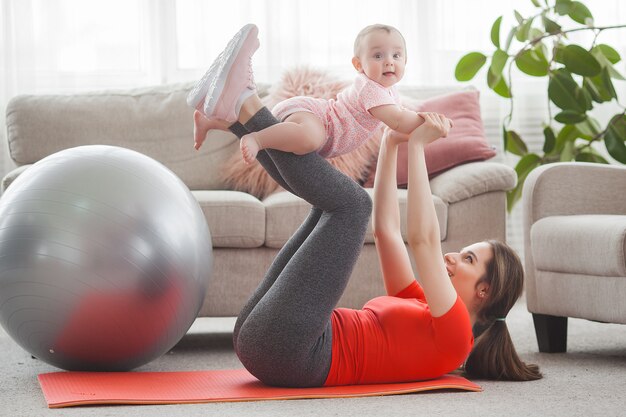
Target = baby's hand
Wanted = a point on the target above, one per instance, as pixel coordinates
(421, 119)
(434, 127)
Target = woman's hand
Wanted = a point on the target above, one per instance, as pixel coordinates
(394, 138)
(434, 127)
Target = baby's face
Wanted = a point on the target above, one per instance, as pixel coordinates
(382, 57)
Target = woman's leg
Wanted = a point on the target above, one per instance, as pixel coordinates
(285, 337)
(278, 264)
(287, 251)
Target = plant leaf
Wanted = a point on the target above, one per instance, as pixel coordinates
(495, 32)
(559, 53)
(585, 98)
(500, 86)
(579, 61)
(515, 144)
(549, 140)
(591, 157)
(588, 128)
(468, 66)
(523, 30)
(568, 133)
(524, 166)
(536, 3)
(615, 136)
(518, 17)
(498, 61)
(565, 92)
(580, 13)
(562, 7)
(600, 87)
(567, 153)
(535, 33)
(570, 117)
(509, 38)
(505, 139)
(605, 62)
(608, 84)
(533, 62)
(611, 54)
(550, 25)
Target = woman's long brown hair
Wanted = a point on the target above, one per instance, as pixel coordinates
(493, 355)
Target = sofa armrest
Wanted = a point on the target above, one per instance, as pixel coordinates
(468, 180)
(567, 188)
(12, 175)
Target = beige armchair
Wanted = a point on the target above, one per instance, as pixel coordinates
(575, 247)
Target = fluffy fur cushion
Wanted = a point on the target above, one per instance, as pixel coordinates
(300, 82)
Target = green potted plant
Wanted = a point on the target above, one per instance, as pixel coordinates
(580, 77)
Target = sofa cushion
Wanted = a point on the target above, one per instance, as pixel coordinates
(285, 213)
(466, 181)
(12, 176)
(235, 219)
(593, 244)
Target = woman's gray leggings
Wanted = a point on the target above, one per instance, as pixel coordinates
(283, 334)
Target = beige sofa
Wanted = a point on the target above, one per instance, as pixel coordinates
(247, 232)
(575, 247)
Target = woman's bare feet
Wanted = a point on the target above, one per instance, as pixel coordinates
(249, 148)
(202, 125)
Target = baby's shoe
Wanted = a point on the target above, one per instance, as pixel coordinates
(233, 81)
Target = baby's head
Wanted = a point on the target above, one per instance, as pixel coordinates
(380, 53)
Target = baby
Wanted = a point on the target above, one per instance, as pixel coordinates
(328, 127)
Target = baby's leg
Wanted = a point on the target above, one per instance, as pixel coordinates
(202, 125)
(300, 133)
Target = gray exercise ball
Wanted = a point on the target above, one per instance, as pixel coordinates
(104, 258)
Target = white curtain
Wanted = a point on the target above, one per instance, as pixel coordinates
(67, 46)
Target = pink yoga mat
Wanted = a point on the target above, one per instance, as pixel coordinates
(65, 389)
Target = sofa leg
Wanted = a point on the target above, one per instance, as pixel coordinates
(551, 333)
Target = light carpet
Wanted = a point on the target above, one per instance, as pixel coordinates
(588, 380)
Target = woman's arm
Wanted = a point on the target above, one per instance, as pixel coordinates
(423, 227)
(392, 254)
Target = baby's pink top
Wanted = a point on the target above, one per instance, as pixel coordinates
(347, 120)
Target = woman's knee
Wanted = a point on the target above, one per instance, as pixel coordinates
(361, 203)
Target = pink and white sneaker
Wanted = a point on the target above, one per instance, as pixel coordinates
(197, 95)
(232, 82)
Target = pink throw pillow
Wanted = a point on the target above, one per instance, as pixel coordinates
(466, 141)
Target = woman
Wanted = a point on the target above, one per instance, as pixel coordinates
(290, 334)
(486, 276)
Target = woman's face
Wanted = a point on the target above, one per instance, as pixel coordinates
(465, 268)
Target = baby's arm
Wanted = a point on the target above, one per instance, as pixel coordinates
(397, 118)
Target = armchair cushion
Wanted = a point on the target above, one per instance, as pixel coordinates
(583, 244)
